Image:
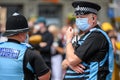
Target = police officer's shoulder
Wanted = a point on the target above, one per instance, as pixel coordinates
(1, 42)
(97, 34)
(31, 50)
(27, 45)
(32, 53)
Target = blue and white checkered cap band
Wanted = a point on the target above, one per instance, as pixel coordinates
(86, 9)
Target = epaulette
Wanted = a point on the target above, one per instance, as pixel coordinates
(27, 44)
(1, 42)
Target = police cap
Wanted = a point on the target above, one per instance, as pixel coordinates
(83, 7)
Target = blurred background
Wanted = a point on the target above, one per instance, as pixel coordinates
(59, 14)
(57, 11)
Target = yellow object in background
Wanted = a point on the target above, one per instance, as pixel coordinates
(117, 45)
(35, 39)
(106, 26)
(115, 75)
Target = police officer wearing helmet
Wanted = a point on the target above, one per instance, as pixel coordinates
(92, 57)
(18, 61)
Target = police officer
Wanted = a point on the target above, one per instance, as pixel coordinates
(92, 57)
(18, 61)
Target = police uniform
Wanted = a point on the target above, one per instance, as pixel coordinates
(13, 64)
(94, 48)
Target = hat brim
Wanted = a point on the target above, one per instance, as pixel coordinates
(10, 33)
(86, 4)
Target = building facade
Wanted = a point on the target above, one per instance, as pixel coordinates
(55, 11)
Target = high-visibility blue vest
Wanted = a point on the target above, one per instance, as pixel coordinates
(11, 60)
(91, 72)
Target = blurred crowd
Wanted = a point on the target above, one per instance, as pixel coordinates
(49, 40)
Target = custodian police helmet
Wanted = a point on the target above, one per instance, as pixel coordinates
(15, 24)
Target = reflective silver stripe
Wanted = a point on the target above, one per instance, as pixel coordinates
(17, 30)
(86, 9)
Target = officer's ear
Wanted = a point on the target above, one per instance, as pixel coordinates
(94, 17)
(22, 36)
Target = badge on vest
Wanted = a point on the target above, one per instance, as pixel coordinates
(9, 53)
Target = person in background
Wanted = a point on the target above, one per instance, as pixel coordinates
(63, 37)
(31, 21)
(44, 47)
(92, 57)
(108, 28)
(1, 37)
(57, 50)
(18, 60)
